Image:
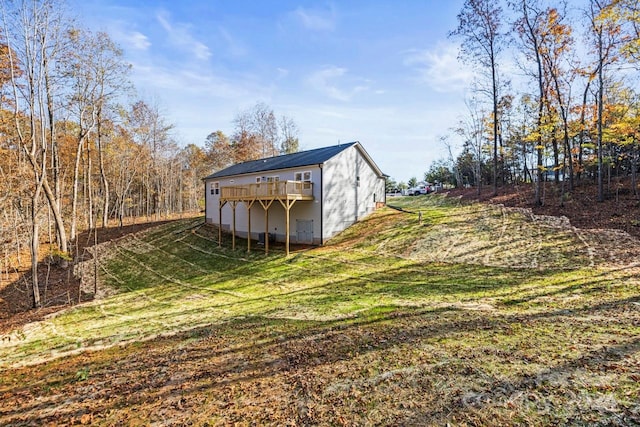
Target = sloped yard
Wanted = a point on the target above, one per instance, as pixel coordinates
(476, 315)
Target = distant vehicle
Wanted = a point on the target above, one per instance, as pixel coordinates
(421, 188)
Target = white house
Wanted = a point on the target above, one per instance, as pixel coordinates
(305, 197)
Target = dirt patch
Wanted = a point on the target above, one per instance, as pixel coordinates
(620, 210)
(59, 287)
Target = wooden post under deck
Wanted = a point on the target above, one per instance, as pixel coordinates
(248, 205)
(287, 205)
(266, 231)
(222, 203)
(234, 204)
(266, 205)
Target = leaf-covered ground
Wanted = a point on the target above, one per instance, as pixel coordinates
(472, 315)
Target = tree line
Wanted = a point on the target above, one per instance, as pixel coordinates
(78, 150)
(574, 114)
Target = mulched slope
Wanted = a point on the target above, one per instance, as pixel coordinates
(620, 210)
(62, 287)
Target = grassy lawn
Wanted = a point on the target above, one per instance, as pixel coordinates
(428, 313)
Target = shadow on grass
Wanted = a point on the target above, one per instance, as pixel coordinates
(241, 357)
(218, 360)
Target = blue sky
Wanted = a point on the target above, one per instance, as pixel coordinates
(380, 72)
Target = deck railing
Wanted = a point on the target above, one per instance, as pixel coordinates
(275, 189)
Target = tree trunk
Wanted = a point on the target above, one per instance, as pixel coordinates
(74, 191)
(63, 244)
(89, 188)
(583, 125)
(494, 82)
(564, 165)
(556, 157)
(103, 177)
(634, 167)
(600, 118)
(569, 153)
(35, 246)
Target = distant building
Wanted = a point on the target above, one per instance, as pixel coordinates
(305, 197)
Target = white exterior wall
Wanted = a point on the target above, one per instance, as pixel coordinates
(303, 210)
(347, 199)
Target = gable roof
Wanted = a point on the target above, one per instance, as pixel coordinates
(287, 161)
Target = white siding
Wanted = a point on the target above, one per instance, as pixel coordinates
(348, 199)
(304, 210)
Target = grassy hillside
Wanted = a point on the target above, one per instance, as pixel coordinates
(431, 313)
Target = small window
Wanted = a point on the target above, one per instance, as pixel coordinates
(273, 178)
(258, 179)
(303, 176)
(215, 188)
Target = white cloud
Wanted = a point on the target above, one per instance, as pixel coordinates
(282, 72)
(133, 40)
(233, 45)
(180, 36)
(439, 68)
(316, 20)
(324, 81)
(138, 41)
(191, 81)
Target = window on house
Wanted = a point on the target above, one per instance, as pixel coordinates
(273, 178)
(215, 188)
(258, 179)
(303, 176)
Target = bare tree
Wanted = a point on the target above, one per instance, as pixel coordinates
(149, 128)
(81, 104)
(472, 131)
(265, 127)
(604, 32)
(528, 26)
(256, 125)
(556, 43)
(479, 24)
(218, 150)
(288, 135)
(111, 76)
(33, 32)
(195, 167)
(450, 159)
(124, 159)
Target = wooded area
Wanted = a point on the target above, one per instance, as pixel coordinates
(573, 113)
(78, 149)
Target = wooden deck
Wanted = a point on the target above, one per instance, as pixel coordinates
(278, 190)
(287, 193)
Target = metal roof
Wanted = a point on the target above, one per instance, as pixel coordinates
(302, 158)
